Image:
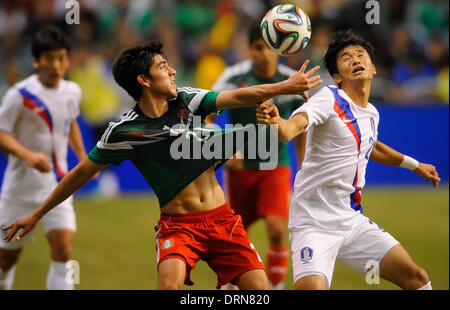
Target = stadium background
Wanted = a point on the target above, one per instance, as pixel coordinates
(114, 243)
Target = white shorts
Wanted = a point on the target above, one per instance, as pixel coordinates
(315, 250)
(61, 217)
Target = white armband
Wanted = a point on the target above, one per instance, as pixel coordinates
(409, 163)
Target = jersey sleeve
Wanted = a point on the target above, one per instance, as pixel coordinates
(10, 109)
(74, 104)
(318, 108)
(111, 150)
(199, 101)
(376, 123)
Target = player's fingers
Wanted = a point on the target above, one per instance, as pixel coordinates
(312, 71)
(23, 233)
(435, 180)
(316, 83)
(46, 166)
(262, 121)
(304, 66)
(7, 227)
(434, 172)
(314, 79)
(42, 165)
(260, 109)
(262, 115)
(40, 168)
(267, 110)
(11, 233)
(43, 169)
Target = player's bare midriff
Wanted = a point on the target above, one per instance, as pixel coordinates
(202, 194)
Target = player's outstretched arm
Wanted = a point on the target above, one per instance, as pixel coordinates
(73, 181)
(76, 141)
(385, 155)
(267, 113)
(298, 83)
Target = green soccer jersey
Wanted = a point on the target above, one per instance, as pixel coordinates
(242, 75)
(148, 143)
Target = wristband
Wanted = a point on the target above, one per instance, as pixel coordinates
(409, 163)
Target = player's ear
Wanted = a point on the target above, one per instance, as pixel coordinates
(374, 69)
(143, 80)
(337, 78)
(35, 63)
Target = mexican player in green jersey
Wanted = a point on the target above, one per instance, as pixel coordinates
(252, 192)
(196, 222)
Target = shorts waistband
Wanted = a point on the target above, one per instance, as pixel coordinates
(196, 217)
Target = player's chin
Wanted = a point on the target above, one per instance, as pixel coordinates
(172, 93)
(171, 89)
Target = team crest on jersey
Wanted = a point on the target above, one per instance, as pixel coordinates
(306, 254)
(167, 244)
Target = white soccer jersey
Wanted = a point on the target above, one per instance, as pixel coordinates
(39, 118)
(340, 137)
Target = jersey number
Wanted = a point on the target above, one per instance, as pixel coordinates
(370, 148)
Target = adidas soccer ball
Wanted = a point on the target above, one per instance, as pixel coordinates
(286, 29)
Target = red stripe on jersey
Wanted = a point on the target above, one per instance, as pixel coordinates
(348, 123)
(39, 111)
(58, 171)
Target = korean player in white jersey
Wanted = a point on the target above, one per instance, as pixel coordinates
(37, 122)
(326, 221)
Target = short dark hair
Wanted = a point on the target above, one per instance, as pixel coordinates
(133, 62)
(47, 39)
(254, 32)
(341, 40)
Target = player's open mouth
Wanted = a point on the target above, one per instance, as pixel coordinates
(358, 69)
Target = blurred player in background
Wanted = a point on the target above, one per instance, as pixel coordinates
(326, 221)
(196, 222)
(255, 193)
(37, 122)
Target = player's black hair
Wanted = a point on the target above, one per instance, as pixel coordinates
(47, 39)
(133, 62)
(254, 32)
(341, 40)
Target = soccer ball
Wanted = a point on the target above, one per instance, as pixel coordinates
(286, 29)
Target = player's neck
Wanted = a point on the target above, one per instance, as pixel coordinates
(153, 106)
(359, 92)
(48, 84)
(264, 72)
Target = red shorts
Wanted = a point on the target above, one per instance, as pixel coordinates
(215, 236)
(259, 193)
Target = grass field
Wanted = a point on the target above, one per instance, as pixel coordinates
(115, 248)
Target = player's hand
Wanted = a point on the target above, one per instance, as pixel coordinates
(38, 161)
(267, 113)
(26, 223)
(302, 81)
(428, 172)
